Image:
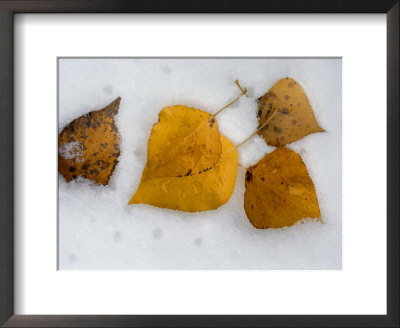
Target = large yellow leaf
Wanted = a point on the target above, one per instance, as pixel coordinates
(199, 191)
(89, 146)
(279, 191)
(184, 142)
(288, 112)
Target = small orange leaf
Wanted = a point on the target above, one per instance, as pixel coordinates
(89, 146)
(288, 112)
(279, 191)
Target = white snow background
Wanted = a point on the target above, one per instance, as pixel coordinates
(99, 230)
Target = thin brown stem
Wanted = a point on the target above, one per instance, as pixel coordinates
(259, 129)
(244, 92)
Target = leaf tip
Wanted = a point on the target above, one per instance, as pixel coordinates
(132, 200)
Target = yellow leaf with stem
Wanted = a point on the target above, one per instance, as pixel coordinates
(188, 166)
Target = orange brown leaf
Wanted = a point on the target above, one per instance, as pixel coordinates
(279, 191)
(89, 146)
(288, 112)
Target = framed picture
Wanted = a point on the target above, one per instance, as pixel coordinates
(265, 218)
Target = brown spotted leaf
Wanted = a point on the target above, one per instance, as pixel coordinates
(89, 146)
(279, 191)
(288, 112)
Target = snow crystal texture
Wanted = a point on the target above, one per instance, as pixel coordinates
(99, 230)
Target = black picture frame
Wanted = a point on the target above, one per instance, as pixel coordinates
(10, 7)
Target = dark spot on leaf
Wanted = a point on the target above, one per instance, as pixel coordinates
(262, 179)
(188, 173)
(104, 166)
(259, 113)
(286, 97)
(95, 154)
(212, 121)
(94, 172)
(72, 169)
(284, 111)
(294, 122)
(277, 129)
(208, 168)
(85, 166)
(249, 176)
(104, 145)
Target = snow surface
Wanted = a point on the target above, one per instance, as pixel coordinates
(70, 150)
(99, 230)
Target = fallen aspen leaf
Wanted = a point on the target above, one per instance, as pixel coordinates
(184, 142)
(89, 146)
(185, 168)
(286, 113)
(201, 191)
(279, 191)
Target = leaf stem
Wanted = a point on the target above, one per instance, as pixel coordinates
(261, 127)
(244, 92)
